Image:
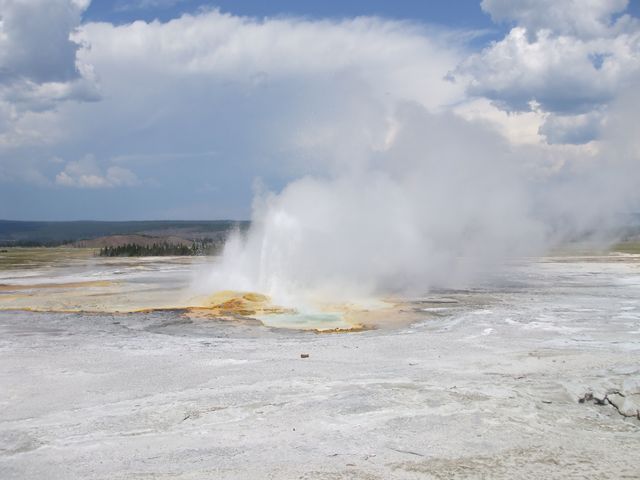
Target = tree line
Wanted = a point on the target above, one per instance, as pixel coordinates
(162, 249)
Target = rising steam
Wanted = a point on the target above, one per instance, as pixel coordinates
(444, 200)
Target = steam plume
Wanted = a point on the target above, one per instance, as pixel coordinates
(443, 200)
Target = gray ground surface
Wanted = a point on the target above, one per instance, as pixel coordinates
(477, 390)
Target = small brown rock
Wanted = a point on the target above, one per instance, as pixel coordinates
(304, 355)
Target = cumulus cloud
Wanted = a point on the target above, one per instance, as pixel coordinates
(400, 58)
(261, 98)
(38, 62)
(34, 40)
(567, 58)
(27, 96)
(580, 18)
(555, 71)
(86, 173)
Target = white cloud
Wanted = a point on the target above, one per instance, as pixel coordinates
(518, 127)
(25, 95)
(273, 97)
(82, 5)
(38, 63)
(581, 18)
(558, 72)
(86, 173)
(569, 58)
(399, 58)
(34, 40)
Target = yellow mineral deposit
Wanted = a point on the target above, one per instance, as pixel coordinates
(243, 306)
(231, 303)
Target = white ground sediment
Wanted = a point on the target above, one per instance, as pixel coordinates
(485, 390)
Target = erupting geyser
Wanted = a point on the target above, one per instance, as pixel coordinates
(442, 201)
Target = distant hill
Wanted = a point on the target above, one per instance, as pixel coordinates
(18, 233)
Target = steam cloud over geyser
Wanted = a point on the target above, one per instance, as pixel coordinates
(408, 193)
(441, 200)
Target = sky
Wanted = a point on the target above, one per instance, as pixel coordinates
(183, 109)
(465, 13)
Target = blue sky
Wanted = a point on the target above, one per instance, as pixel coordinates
(461, 13)
(187, 117)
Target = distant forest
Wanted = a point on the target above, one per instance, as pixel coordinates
(48, 234)
(164, 249)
